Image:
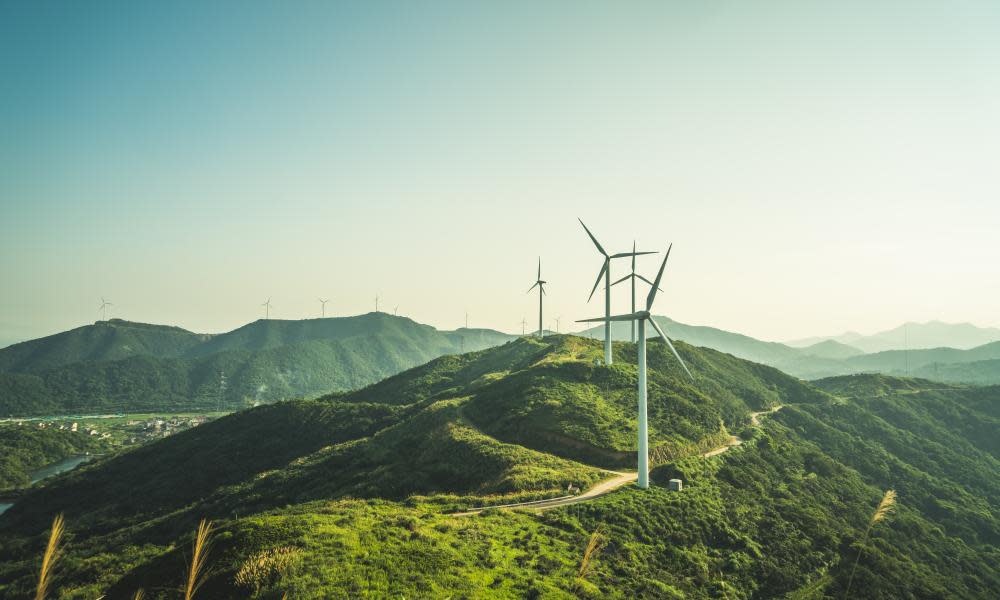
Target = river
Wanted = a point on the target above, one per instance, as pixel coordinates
(49, 470)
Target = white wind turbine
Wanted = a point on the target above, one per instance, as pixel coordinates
(541, 292)
(633, 276)
(606, 274)
(322, 303)
(267, 309)
(104, 308)
(642, 317)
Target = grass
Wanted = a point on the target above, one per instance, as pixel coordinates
(885, 506)
(594, 544)
(50, 558)
(199, 558)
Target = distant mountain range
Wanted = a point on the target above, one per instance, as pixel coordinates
(114, 366)
(117, 365)
(817, 357)
(932, 334)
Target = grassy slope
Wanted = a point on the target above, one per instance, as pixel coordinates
(780, 515)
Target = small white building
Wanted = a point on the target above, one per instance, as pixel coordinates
(676, 485)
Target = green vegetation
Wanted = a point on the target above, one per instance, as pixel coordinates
(27, 448)
(350, 496)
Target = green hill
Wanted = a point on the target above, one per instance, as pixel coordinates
(102, 341)
(355, 489)
(264, 361)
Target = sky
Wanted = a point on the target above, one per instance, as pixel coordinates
(818, 166)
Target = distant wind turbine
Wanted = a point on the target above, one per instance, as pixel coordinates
(606, 274)
(104, 308)
(267, 309)
(642, 317)
(557, 323)
(633, 276)
(541, 292)
(376, 302)
(322, 303)
(395, 311)
(524, 325)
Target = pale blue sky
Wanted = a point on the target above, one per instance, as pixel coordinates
(819, 166)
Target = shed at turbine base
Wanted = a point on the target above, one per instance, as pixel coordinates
(676, 485)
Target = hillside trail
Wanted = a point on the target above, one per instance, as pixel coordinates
(609, 485)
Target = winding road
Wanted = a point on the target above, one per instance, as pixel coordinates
(609, 485)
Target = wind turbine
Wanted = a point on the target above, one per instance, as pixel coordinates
(642, 317)
(606, 273)
(557, 323)
(323, 304)
(376, 302)
(633, 276)
(395, 311)
(104, 308)
(541, 292)
(267, 309)
(524, 324)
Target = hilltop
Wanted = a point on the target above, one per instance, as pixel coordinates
(103, 341)
(360, 487)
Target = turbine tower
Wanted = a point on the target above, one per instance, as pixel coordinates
(267, 309)
(633, 276)
(524, 324)
(541, 292)
(322, 303)
(376, 302)
(104, 308)
(606, 274)
(642, 317)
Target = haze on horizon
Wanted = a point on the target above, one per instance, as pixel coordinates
(818, 168)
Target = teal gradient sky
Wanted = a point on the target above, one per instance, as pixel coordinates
(818, 166)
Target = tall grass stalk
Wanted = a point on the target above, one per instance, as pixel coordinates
(594, 546)
(881, 512)
(51, 557)
(199, 558)
(139, 594)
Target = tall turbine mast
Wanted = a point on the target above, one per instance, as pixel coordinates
(633, 276)
(322, 303)
(267, 309)
(376, 302)
(524, 323)
(641, 318)
(606, 274)
(541, 292)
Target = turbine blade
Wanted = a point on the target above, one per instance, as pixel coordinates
(647, 281)
(621, 280)
(592, 238)
(604, 268)
(652, 322)
(531, 288)
(656, 284)
(628, 317)
(632, 254)
(539, 267)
